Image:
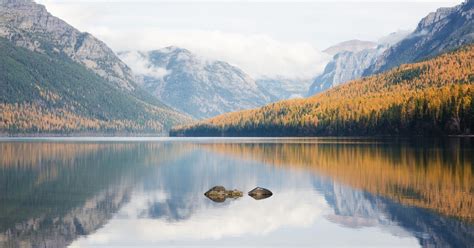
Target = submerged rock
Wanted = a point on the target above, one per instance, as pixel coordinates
(220, 194)
(260, 193)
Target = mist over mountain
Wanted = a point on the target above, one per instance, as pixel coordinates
(350, 60)
(350, 46)
(194, 85)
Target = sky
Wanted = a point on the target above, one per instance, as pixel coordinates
(264, 38)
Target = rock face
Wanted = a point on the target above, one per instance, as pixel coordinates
(350, 60)
(199, 87)
(344, 66)
(260, 193)
(220, 194)
(441, 31)
(30, 25)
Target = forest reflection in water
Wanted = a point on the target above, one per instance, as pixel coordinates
(430, 176)
(54, 193)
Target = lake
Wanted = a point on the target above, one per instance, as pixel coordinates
(110, 192)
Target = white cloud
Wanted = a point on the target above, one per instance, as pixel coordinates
(257, 54)
(138, 62)
(262, 37)
(240, 217)
(394, 37)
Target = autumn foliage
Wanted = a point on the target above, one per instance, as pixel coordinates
(47, 93)
(426, 176)
(432, 97)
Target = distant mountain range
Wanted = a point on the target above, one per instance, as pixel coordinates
(56, 79)
(205, 88)
(194, 85)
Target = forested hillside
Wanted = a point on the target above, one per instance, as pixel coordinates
(49, 93)
(433, 97)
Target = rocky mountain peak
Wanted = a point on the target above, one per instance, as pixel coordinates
(464, 10)
(172, 54)
(31, 26)
(197, 86)
(434, 17)
(440, 31)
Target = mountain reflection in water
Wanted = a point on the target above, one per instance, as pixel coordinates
(138, 192)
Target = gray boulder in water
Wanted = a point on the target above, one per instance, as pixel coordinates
(260, 193)
(220, 194)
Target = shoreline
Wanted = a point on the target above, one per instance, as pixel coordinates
(124, 135)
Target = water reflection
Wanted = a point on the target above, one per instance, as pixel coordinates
(53, 194)
(434, 176)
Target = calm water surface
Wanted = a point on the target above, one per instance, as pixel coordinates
(150, 192)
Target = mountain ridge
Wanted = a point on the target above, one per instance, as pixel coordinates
(433, 97)
(194, 85)
(57, 80)
(47, 93)
(443, 30)
(30, 25)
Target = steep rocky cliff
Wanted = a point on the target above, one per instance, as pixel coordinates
(345, 66)
(440, 31)
(30, 25)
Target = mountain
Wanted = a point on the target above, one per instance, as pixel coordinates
(345, 66)
(29, 25)
(433, 97)
(350, 60)
(440, 31)
(196, 86)
(55, 79)
(100, 175)
(350, 46)
(283, 88)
